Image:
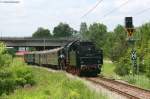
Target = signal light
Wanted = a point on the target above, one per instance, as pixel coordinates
(128, 22)
(129, 26)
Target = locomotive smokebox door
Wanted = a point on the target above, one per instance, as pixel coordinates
(128, 22)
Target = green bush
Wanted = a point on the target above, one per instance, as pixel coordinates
(13, 72)
(17, 74)
(5, 60)
(148, 73)
(147, 63)
(141, 57)
(123, 66)
(138, 80)
(130, 79)
(22, 73)
(142, 67)
(7, 82)
(2, 48)
(24, 76)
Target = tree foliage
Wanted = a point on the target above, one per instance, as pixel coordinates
(123, 66)
(96, 33)
(63, 30)
(119, 46)
(42, 33)
(143, 46)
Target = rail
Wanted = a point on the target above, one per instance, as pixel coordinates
(127, 90)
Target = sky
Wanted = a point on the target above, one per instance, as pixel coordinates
(22, 19)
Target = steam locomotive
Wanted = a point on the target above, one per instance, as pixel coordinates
(78, 57)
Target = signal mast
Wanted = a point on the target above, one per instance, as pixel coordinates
(131, 41)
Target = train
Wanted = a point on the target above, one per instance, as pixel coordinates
(78, 57)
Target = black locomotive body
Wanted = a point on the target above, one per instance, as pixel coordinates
(83, 58)
(79, 58)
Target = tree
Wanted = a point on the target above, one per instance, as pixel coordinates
(97, 33)
(147, 62)
(143, 46)
(109, 42)
(123, 66)
(119, 43)
(42, 33)
(63, 30)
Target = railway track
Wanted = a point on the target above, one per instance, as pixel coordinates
(129, 91)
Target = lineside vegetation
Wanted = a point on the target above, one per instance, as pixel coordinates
(55, 85)
(13, 73)
(139, 80)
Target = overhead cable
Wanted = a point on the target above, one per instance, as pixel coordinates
(141, 12)
(93, 8)
(115, 9)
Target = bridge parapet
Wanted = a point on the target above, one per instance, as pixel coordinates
(30, 38)
(35, 42)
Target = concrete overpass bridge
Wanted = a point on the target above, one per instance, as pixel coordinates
(38, 43)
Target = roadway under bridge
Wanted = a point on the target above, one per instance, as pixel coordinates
(38, 43)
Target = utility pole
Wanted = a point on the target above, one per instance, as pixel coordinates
(131, 41)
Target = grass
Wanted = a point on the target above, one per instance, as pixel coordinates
(54, 86)
(108, 69)
(138, 80)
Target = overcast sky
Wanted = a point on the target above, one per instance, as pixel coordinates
(24, 18)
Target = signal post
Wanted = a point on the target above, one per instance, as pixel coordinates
(131, 41)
